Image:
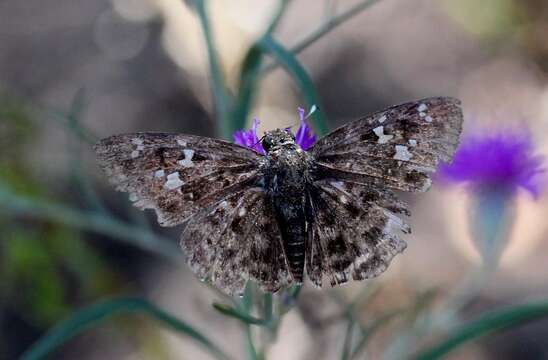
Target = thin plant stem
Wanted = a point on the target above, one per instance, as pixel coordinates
(326, 27)
(218, 88)
(347, 345)
(89, 220)
(247, 307)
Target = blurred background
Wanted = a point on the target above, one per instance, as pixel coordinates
(72, 71)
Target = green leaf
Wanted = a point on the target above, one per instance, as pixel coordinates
(96, 314)
(301, 77)
(237, 314)
(485, 324)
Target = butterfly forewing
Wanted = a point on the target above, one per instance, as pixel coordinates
(176, 175)
(237, 239)
(397, 148)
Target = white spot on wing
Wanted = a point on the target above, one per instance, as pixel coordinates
(382, 119)
(426, 185)
(242, 212)
(422, 108)
(159, 173)
(133, 197)
(383, 138)
(338, 185)
(187, 161)
(394, 224)
(137, 141)
(181, 142)
(134, 154)
(173, 181)
(402, 153)
(428, 119)
(422, 114)
(412, 142)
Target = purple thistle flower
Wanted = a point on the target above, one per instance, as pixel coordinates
(496, 160)
(249, 138)
(304, 137)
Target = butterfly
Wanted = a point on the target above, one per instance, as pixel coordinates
(329, 213)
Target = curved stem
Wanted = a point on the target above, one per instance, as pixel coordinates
(97, 314)
(325, 28)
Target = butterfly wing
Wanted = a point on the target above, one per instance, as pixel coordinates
(237, 239)
(396, 148)
(176, 175)
(352, 210)
(353, 231)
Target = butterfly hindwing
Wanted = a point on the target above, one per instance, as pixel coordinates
(352, 232)
(396, 148)
(174, 174)
(235, 240)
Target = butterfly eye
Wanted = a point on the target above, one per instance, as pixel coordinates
(267, 144)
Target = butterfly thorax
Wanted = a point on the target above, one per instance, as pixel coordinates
(286, 176)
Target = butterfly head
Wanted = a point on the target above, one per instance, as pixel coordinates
(278, 139)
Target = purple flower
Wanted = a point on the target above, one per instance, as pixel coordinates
(496, 160)
(304, 137)
(249, 138)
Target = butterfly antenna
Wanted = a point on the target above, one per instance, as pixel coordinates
(259, 141)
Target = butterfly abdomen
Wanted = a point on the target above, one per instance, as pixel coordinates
(286, 183)
(291, 220)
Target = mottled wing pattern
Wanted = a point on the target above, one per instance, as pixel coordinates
(396, 148)
(353, 212)
(237, 239)
(176, 175)
(353, 232)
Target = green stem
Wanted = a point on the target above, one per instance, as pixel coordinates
(247, 307)
(97, 314)
(267, 308)
(348, 340)
(238, 314)
(221, 96)
(249, 76)
(301, 77)
(485, 324)
(87, 220)
(325, 28)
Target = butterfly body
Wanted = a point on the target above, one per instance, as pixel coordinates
(287, 175)
(329, 213)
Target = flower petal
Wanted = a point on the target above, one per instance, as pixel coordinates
(496, 158)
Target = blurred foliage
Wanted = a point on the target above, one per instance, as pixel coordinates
(523, 23)
(42, 252)
(40, 261)
(490, 19)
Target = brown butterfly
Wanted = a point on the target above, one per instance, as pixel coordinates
(329, 212)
